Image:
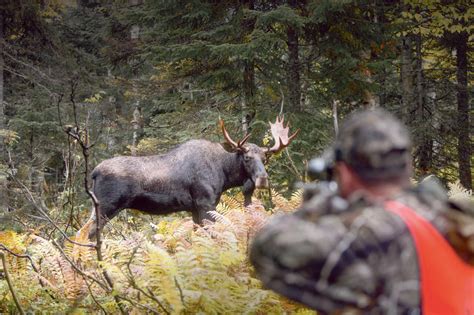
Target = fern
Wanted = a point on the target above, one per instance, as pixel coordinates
(161, 270)
(17, 244)
(463, 197)
(171, 266)
(296, 199)
(57, 270)
(280, 203)
(457, 191)
(231, 202)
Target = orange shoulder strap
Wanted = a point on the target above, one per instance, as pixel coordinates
(447, 282)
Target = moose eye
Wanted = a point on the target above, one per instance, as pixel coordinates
(247, 158)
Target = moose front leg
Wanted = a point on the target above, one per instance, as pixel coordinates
(200, 215)
(204, 200)
(247, 190)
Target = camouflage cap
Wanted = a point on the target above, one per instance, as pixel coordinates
(375, 144)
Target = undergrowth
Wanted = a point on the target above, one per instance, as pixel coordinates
(158, 265)
(169, 267)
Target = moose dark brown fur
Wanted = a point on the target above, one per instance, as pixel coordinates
(190, 177)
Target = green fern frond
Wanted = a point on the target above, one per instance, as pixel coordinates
(161, 270)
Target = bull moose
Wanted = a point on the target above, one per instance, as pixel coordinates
(190, 177)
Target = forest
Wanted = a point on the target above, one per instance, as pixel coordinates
(82, 81)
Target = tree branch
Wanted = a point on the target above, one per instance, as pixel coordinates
(135, 285)
(82, 137)
(10, 284)
(44, 214)
(35, 268)
(81, 272)
(28, 79)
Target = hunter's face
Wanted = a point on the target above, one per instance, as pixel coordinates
(347, 180)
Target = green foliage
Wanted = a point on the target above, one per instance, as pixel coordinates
(194, 62)
(75, 65)
(436, 18)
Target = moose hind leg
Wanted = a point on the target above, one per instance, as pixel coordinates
(93, 219)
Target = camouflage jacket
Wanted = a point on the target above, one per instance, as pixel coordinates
(341, 257)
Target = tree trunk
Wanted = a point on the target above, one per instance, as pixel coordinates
(464, 146)
(136, 126)
(2, 107)
(35, 175)
(370, 100)
(248, 100)
(294, 85)
(335, 104)
(3, 155)
(247, 104)
(406, 76)
(245, 123)
(423, 138)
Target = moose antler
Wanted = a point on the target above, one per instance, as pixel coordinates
(236, 145)
(280, 135)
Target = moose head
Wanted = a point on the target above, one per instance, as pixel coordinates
(254, 157)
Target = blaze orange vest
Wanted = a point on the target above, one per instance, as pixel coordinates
(447, 282)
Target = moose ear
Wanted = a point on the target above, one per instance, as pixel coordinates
(228, 147)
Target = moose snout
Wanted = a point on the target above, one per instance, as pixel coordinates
(261, 181)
